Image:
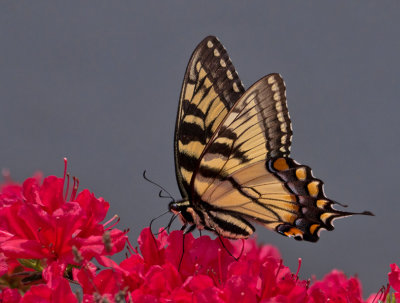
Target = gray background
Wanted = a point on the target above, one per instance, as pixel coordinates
(98, 82)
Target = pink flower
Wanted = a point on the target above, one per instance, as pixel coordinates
(394, 280)
(205, 271)
(337, 288)
(58, 291)
(39, 221)
(10, 191)
(9, 295)
(107, 284)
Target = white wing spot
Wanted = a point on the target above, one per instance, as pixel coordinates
(198, 66)
(280, 117)
(283, 139)
(275, 87)
(235, 87)
(210, 44)
(278, 106)
(216, 53)
(271, 80)
(229, 74)
(222, 62)
(284, 127)
(277, 96)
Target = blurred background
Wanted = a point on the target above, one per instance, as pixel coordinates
(98, 82)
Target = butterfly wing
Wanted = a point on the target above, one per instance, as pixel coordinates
(257, 128)
(245, 173)
(210, 88)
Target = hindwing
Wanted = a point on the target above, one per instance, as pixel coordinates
(210, 88)
(278, 193)
(245, 174)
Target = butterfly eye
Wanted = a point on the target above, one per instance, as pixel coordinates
(173, 206)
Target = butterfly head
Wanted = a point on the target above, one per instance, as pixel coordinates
(183, 210)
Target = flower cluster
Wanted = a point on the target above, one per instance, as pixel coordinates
(205, 270)
(45, 232)
(51, 236)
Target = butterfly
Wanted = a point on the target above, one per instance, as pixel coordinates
(232, 159)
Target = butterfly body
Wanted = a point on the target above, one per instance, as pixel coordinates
(232, 159)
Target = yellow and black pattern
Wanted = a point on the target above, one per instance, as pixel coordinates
(210, 88)
(257, 127)
(232, 156)
(278, 193)
(315, 211)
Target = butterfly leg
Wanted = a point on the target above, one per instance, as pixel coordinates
(188, 230)
(223, 245)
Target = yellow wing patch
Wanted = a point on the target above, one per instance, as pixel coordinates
(208, 93)
(251, 132)
(256, 193)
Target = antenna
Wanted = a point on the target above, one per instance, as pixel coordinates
(159, 186)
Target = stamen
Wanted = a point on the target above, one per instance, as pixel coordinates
(77, 255)
(115, 217)
(65, 170)
(66, 191)
(131, 247)
(107, 241)
(74, 189)
(382, 293)
(298, 269)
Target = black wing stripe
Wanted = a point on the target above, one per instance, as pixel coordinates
(211, 87)
(230, 225)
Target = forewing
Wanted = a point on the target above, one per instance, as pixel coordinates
(257, 128)
(210, 88)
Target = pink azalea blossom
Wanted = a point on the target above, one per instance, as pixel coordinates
(337, 288)
(59, 291)
(394, 280)
(9, 295)
(205, 271)
(40, 223)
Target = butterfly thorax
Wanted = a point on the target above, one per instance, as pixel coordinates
(186, 213)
